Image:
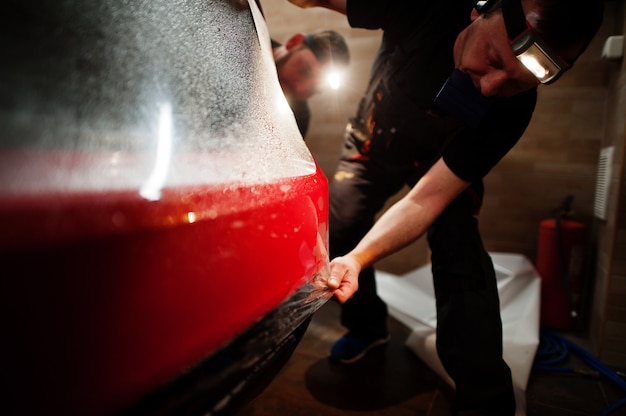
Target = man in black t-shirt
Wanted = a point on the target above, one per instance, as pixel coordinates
(301, 63)
(452, 89)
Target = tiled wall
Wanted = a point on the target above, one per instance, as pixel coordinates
(558, 156)
(608, 316)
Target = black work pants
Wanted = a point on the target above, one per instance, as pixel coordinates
(469, 327)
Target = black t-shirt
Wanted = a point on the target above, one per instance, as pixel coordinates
(300, 109)
(414, 60)
(302, 114)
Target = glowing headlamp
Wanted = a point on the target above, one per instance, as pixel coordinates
(334, 80)
(332, 77)
(528, 47)
(537, 57)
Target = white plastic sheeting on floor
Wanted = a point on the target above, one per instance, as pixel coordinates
(411, 300)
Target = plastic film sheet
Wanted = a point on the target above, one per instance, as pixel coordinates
(240, 370)
(149, 147)
(411, 300)
(108, 95)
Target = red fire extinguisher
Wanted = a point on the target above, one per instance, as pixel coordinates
(560, 261)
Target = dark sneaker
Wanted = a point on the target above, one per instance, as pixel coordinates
(350, 348)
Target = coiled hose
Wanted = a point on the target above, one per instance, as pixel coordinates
(554, 348)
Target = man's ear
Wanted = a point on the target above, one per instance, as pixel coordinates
(474, 14)
(294, 41)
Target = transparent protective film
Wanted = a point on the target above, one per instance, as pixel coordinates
(107, 95)
(158, 204)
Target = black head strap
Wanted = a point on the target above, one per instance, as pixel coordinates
(514, 18)
(512, 12)
(320, 54)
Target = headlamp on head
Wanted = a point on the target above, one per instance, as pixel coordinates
(537, 57)
(532, 51)
(334, 80)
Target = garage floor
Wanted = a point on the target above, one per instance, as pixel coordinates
(394, 381)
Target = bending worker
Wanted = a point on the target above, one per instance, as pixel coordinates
(452, 89)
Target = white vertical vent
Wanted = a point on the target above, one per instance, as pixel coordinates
(602, 182)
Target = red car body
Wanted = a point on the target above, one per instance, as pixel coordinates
(122, 294)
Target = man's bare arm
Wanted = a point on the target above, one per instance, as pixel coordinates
(403, 223)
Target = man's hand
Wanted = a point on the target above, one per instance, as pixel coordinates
(344, 277)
